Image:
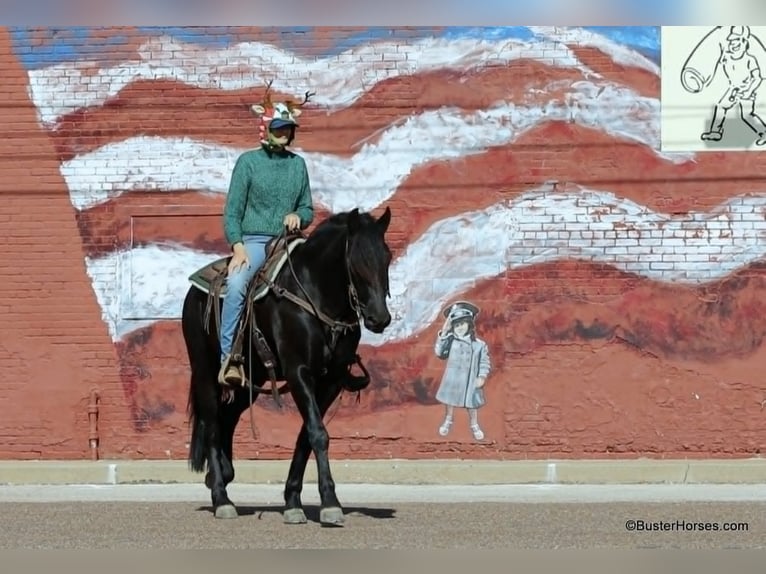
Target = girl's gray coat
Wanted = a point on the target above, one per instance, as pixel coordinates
(466, 361)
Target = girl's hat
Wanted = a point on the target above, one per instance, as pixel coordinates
(461, 310)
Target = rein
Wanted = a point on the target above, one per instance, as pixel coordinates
(336, 327)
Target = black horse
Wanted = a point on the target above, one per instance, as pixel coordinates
(310, 319)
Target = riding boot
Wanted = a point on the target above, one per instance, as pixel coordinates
(230, 373)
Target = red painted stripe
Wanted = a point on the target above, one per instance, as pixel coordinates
(570, 305)
(643, 81)
(167, 108)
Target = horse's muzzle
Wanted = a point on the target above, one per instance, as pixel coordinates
(377, 323)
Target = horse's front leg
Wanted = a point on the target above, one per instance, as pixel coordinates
(303, 385)
(325, 396)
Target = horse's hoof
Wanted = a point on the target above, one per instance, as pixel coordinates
(332, 516)
(226, 511)
(294, 516)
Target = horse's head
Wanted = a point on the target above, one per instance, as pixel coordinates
(368, 259)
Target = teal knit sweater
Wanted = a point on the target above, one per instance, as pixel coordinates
(266, 186)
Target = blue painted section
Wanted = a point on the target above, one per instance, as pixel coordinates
(371, 35)
(223, 36)
(643, 39)
(61, 45)
(213, 36)
(69, 44)
(489, 32)
(75, 43)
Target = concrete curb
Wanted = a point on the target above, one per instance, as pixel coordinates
(442, 472)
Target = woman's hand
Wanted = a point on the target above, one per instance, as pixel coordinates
(292, 221)
(239, 258)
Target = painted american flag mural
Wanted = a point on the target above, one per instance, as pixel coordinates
(524, 170)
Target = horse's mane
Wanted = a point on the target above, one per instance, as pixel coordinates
(336, 221)
(332, 222)
(364, 257)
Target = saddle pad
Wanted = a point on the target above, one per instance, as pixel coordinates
(203, 277)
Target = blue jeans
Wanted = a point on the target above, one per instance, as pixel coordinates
(236, 288)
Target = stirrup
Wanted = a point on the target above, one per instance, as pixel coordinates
(230, 374)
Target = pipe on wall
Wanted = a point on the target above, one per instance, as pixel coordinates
(93, 423)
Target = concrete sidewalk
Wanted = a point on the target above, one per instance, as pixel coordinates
(411, 472)
(393, 493)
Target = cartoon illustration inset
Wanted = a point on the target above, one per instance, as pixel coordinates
(468, 365)
(740, 54)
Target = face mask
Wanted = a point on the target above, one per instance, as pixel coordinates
(275, 142)
(267, 110)
(266, 115)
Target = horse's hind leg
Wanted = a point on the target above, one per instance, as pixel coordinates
(230, 414)
(220, 459)
(212, 421)
(206, 445)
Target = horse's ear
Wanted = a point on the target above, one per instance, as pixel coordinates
(384, 220)
(353, 220)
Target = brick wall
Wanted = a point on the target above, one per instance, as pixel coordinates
(53, 350)
(621, 319)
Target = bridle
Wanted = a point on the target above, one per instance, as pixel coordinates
(336, 327)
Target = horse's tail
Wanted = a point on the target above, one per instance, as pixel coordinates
(197, 455)
(201, 402)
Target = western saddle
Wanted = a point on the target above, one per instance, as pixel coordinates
(211, 279)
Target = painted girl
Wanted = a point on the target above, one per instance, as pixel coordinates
(467, 367)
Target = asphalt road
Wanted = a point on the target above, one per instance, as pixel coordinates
(399, 517)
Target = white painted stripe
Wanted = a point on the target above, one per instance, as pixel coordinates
(541, 227)
(456, 253)
(337, 80)
(140, 286)
(374, 173)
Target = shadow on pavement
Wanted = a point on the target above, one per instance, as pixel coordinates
(311, 511)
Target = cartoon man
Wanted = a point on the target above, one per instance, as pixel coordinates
(467, 367)
(744, 77)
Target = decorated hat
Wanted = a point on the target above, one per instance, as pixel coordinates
(461, 310)
(276, 114)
